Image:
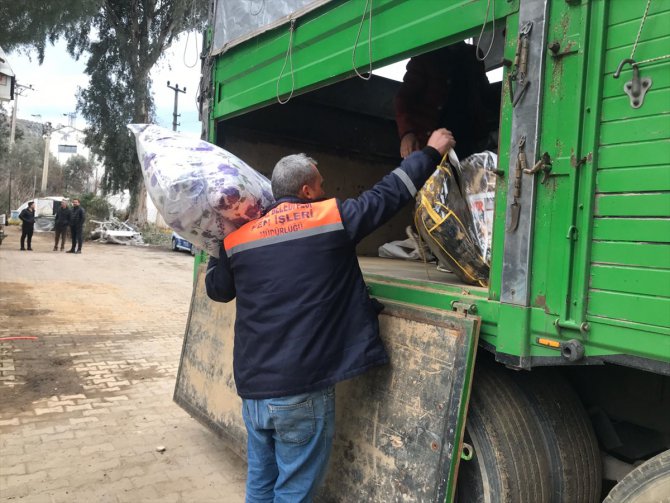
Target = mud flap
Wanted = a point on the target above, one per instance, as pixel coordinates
(399, 428)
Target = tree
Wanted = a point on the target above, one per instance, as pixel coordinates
(132, 36)
(31, 25)
(21, 172)
(124, 38)
(77, 172)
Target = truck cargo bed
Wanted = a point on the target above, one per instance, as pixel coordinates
(413, 271)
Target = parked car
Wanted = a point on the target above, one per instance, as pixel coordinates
(181, 244)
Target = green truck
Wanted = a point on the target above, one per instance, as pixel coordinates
(570, 393)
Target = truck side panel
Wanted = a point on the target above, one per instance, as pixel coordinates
(629, 277)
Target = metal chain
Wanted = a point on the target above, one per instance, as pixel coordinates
(493, 31)
(639, 32)
(289, 56)
(360, 27)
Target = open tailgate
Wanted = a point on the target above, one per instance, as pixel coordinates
(399, 428)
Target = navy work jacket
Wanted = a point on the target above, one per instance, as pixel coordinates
(304, 318)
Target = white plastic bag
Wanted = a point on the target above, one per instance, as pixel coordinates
(202, 191)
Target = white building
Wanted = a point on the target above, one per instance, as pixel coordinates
(6, 79)
(67, 141)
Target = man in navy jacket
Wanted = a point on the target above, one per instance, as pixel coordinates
(27, 217)
(304, 318)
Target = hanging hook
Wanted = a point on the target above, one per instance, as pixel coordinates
(637, 87)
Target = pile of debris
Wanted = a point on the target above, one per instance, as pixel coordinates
(116, 231)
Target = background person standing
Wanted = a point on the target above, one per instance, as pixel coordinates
(27, 217)
(61, 224)
(77, 219)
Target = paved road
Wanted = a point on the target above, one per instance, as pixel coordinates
(86, 396)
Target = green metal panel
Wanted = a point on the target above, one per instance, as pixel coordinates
(611, 336)
(631, 11)
(638, 179)
(323, 44)
(620, 155)
(557, 267)
(633, 205)
(617, 252)
(621, 33)
(655, 102)
(643, 309)
(631, 279)
(638, 129)
(652, 230)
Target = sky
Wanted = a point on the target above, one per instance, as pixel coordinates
(57, 80)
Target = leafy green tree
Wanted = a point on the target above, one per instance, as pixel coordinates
(21, 172)
(76, 173)
(125, 39)
(131, 37)
(31, 25)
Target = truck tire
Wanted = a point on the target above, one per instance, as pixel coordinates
(510, 461)
(575, 464)
(649, 482)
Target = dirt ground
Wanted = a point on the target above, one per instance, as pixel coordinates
(89, 351)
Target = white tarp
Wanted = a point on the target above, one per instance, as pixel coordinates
(238, 20)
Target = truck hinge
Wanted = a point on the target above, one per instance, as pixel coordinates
(572, 233)
(463, 307)
(578, 163)
(571, 325)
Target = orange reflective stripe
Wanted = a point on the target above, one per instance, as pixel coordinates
(285, 219)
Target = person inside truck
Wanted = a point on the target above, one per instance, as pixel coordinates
(447, 88)
(304, 320)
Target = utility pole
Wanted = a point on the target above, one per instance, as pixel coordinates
(18, 91)
(71, 116)
(46, 131)
(176, 98)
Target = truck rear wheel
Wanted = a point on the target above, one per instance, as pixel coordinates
(510, 461)
(648, 482)
(575, 465)
(532, 440)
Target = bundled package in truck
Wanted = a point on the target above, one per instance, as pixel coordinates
(454, 215)
(202, 191)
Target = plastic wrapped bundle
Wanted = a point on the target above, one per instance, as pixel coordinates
(202, 191)
(444, 220)
(478, 182)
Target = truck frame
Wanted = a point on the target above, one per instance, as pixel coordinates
(579, 291)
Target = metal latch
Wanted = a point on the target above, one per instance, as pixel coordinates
(636, 88)
(463, 307)
(520, 65)
(521, 166)
(544, 165)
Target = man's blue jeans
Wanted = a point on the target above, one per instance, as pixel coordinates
(289, 442)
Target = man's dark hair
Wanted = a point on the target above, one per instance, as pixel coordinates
(291, 173)
(31, 202)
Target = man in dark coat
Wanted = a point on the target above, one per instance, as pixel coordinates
(77, 219)
(447, 88)
(27, 217)
(304, 318)
(61, 224)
